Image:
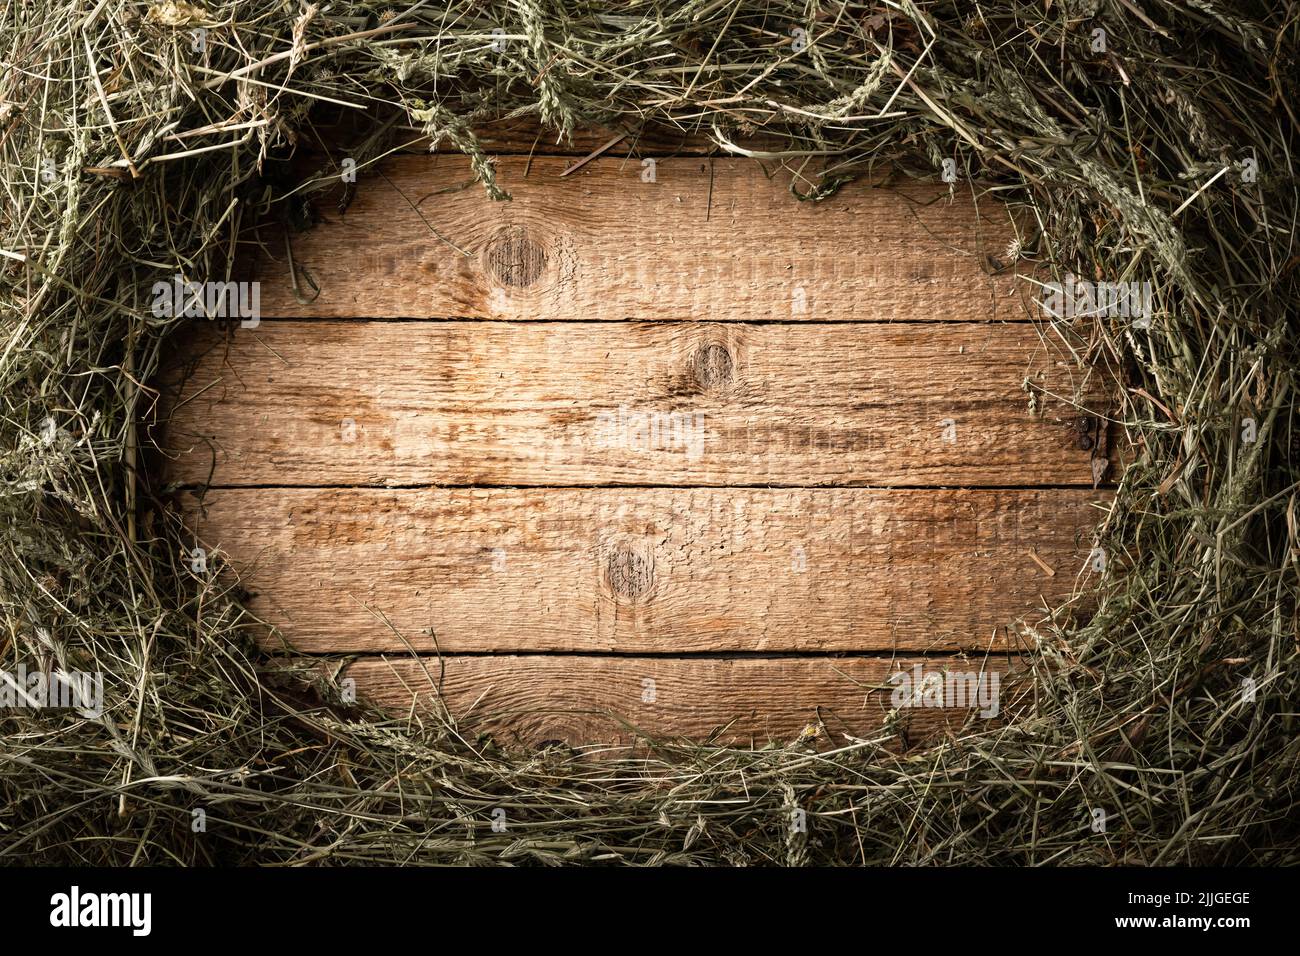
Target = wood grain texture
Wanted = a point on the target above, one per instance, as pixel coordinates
(649, 570)
(707, 240)
(534, 699)
(373, 403)
(811, 348)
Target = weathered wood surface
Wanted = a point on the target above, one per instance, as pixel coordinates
(657, 448)
(743, 701)
(650, 570)
(707, 240)
(486, 403)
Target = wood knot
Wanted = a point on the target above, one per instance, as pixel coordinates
(713, 368)
(514, 258)
(629, 573)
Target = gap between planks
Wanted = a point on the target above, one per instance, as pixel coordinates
(933, 656)
(201, 487)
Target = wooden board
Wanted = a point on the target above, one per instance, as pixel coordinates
(649, 570)
(680, 429)
(475, 403)
(537, 699)
(707, 240)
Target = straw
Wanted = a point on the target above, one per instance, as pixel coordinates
(135, 149)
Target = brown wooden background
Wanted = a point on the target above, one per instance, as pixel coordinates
(891, 466)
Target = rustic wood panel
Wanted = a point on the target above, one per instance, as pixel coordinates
(742, 701)
(344, 403)
(702, 329)
(649, 570)
(707, 240)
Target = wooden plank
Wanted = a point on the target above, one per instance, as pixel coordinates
(345, 403)
(649, 570)
(707, 240)
(740, 701)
